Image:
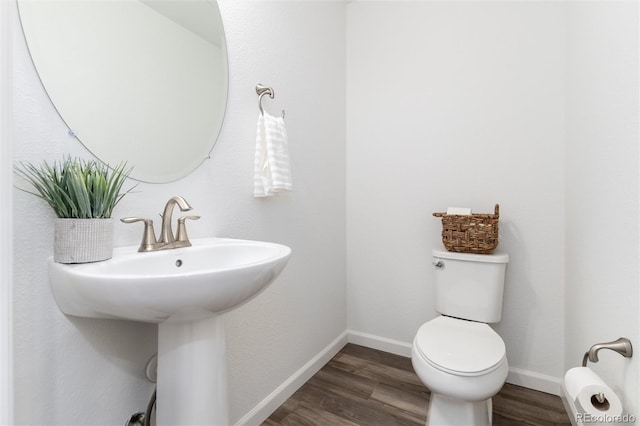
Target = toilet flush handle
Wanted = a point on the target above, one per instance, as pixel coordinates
(438, 264)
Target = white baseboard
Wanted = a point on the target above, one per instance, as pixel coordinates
(381, 343)
(570, 407)
(535, 381)
(267, 406)
(276, 398)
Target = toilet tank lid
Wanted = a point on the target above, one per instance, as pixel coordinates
(496, 257)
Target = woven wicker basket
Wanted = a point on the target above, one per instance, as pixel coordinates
(475, 233)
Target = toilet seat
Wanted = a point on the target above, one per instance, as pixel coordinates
(460, 347)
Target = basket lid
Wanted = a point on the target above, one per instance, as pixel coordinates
(496, 257)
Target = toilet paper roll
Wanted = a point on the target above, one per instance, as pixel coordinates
(583, 387)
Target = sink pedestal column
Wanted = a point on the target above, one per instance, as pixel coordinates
(192, 381)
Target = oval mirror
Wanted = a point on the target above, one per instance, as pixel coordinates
(141, 81)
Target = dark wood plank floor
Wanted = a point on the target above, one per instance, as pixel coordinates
(363, 386)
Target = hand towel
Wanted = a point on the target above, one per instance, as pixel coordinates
(272, 173)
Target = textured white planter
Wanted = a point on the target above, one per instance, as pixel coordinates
(82, 240)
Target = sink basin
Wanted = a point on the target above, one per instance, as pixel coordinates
(183, 290)
(212, 276)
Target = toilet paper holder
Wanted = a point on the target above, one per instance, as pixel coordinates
(621, 345)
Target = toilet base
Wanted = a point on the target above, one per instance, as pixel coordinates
(446, 411)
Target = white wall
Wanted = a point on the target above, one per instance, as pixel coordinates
(6, 369)
(457, 104)
(82, 371)
(602, 189)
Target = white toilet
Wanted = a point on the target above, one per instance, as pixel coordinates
(457, 355)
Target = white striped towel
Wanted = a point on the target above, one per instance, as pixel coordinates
(272, 173)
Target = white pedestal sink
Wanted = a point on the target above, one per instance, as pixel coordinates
(183, 290)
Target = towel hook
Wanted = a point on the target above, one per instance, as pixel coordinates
(262, 90)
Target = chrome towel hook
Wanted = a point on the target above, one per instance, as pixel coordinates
(262, 90)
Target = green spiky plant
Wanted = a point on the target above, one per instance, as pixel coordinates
(77, 188)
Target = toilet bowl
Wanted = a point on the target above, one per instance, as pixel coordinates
(457, 355)
(464, 364)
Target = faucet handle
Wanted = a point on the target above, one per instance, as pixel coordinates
(182, 228)
(148, 236)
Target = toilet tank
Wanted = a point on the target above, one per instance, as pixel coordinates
(469, 286)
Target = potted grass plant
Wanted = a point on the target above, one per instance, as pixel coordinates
(82, 194)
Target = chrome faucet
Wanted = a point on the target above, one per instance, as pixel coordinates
(166, 234)
(168, 239)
